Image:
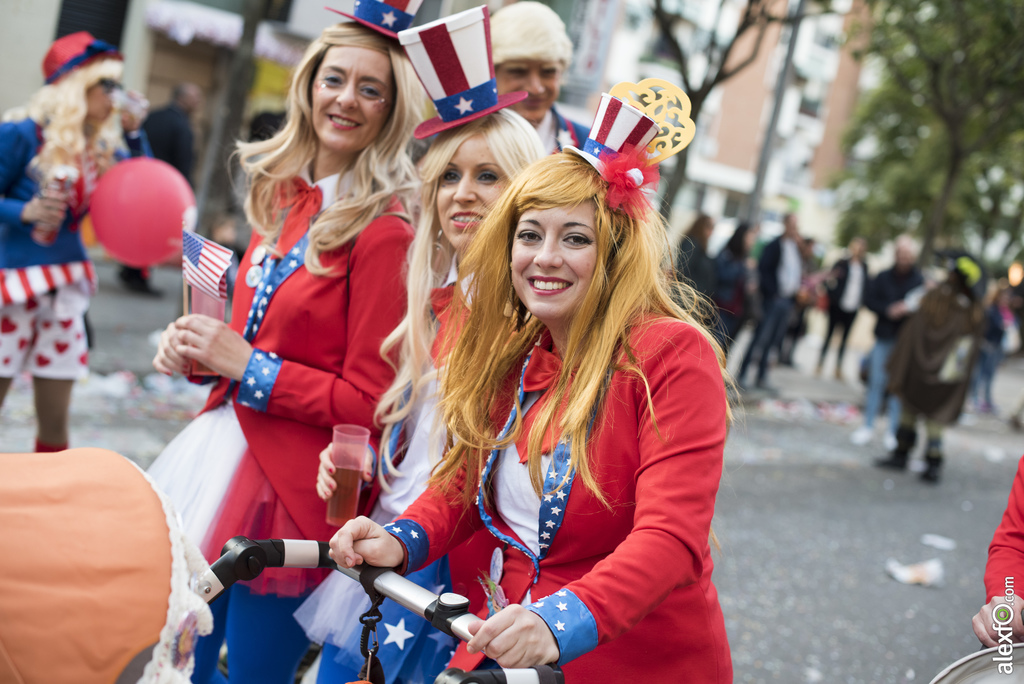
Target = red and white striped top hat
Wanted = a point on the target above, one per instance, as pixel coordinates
(618, 128)
(448, 55)
(383, 16)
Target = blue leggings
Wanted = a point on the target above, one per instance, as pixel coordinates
(265, 644)
(331, 671)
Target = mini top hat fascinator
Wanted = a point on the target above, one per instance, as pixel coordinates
(384, 16)
(448, 56)
(638, 125)
(72, 51)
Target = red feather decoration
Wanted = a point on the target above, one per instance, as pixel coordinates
(628, 176)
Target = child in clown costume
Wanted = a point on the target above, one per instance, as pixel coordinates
(50, 161)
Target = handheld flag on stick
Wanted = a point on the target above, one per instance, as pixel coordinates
(204, 269)
(205, 264)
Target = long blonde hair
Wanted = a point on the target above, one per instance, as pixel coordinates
(630, 282)
(60, 110)
(514, 144)
(380, 172)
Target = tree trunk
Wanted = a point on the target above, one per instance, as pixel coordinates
(938, 211)
(678, 179)
(675, 183)
(215, 188)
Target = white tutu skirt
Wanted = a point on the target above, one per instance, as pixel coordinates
(197, 467)
(330, 615)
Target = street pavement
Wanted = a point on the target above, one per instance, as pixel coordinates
(805, 523)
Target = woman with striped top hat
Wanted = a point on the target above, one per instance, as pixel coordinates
(587, 413)
(322, 288)
(478, 146)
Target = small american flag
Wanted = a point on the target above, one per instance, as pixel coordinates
(205, 264)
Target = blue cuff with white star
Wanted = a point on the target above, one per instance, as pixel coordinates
(570, 621)
(414, 539)
(258, 380)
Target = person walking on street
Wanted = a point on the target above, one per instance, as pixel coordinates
(169, 131)
(780, 270)
(531, 52)
(736, 283)
(931, 363)
(999, 321)
(692, 260)
(845, 289)
(887, 297)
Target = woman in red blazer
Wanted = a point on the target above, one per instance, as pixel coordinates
(323, 286)
(588, 414)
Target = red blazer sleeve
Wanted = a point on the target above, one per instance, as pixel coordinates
(376, 304)
(1006, 552)
(680, 466)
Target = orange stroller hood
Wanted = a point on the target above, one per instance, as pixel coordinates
(95, 574)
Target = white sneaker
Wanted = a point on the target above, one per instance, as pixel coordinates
(889, 441)
(862, 435)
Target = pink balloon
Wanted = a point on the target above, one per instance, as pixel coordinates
(138, 209)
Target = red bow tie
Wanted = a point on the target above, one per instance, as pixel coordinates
(542, 373)
(304, 201)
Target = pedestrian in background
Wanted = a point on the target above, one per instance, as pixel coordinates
(806, 296)
(50, 161)
(532, 52)
(780, 270)
(997, 340)
(887, 296)
(692, 260)
(931, 363)
(845, 285)
(736, 277)
(169, 131)
(323, 287)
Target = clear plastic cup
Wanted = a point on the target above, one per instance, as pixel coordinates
(348, 452)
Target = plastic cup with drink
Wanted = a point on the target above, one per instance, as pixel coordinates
(57, 186)
(348, 453)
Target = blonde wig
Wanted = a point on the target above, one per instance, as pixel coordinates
(529, 30)
(60, 109)
(514, 144)
(630, 282)
(381, 171)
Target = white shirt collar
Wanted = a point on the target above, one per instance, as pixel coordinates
(332, 187)
(453, 273)
(546, 131)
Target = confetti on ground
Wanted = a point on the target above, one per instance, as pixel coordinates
(938, 542)
(840, 413)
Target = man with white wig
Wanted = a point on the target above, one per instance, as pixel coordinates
(531, 52)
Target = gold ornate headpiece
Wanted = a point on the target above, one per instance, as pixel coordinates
(668, 106)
